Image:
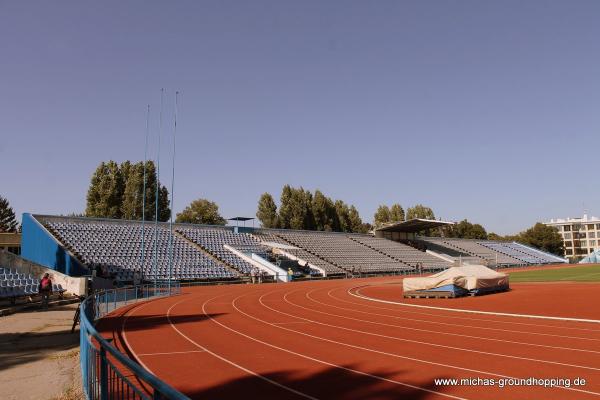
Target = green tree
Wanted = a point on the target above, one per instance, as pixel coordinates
(466, 230)
(115, 191)
(267, 211)
(382, 216)
(201, 211)
(343, 213)
(300, 209)
(419, 211)
(105, 192)
(495, 237)
(543, 237)
(500, 238)
(133, 177)
(285, 207)
(366, 227)
(356, 223)
(309, 218)
(396, 213)
(164, 212)
(325, 214)
(299, 212)
(320, 212)
(8, 221)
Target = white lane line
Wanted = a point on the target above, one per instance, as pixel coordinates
(124, 334)
(429, 331)
(359, 295)
(291, 322)
(312, 358)
(389, 354)
(170, 352)
(472, 318)
(467, 319)
(246, 370)
(461, 349)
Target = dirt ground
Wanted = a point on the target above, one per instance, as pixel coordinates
(39, 356)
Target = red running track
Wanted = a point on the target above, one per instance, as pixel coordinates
(318, 340)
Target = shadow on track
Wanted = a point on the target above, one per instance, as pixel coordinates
(147, 322)
(329, 383)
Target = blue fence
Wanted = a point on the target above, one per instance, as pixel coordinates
(106, 372)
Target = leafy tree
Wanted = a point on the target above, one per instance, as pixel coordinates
(323, 211)
(543, 237)
(133, 177)
(366, 227)
(478, 232)
(343, 213)
(419, 211)
(201, 211)
(356, 224)
(299, 211)
(105, 192)
(164, 212)
(309, 216)
(115, 191)
(396, 213)
(499, 238)
(382, 216)
(285, 207)
(8, 221)
(495, 237)
(466, 230)
(267, 211)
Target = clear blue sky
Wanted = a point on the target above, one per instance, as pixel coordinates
(485, 110)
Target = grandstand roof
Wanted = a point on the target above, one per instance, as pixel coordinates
(240, 219)
(413, 225)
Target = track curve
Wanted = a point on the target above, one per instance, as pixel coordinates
(316, 340)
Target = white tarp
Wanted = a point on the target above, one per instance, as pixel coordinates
(468, 277)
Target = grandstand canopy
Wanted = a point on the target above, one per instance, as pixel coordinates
(243, 219)
(413, 225)
(240, 219)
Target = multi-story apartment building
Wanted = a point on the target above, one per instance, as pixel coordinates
(581, 236)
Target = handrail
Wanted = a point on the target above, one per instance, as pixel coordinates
(103, 378)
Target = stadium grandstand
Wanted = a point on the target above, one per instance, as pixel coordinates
(76, 246)
(499, 254)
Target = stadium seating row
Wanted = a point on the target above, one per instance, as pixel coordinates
(198, 252)
(15, 284)
(491, 252)
(340, 251)
(116, 247)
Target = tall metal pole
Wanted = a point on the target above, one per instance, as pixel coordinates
(162, 93)
(144, 194)
(172, 194)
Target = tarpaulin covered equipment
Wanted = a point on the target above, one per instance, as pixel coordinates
(457, 281)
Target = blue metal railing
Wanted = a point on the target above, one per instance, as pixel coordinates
(106, 372)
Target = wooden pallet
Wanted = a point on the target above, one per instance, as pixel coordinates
(429, 295)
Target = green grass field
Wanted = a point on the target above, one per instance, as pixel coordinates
(577, 273)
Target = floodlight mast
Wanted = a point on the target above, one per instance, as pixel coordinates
(171, 261)
(144, 193)
(162, 93)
